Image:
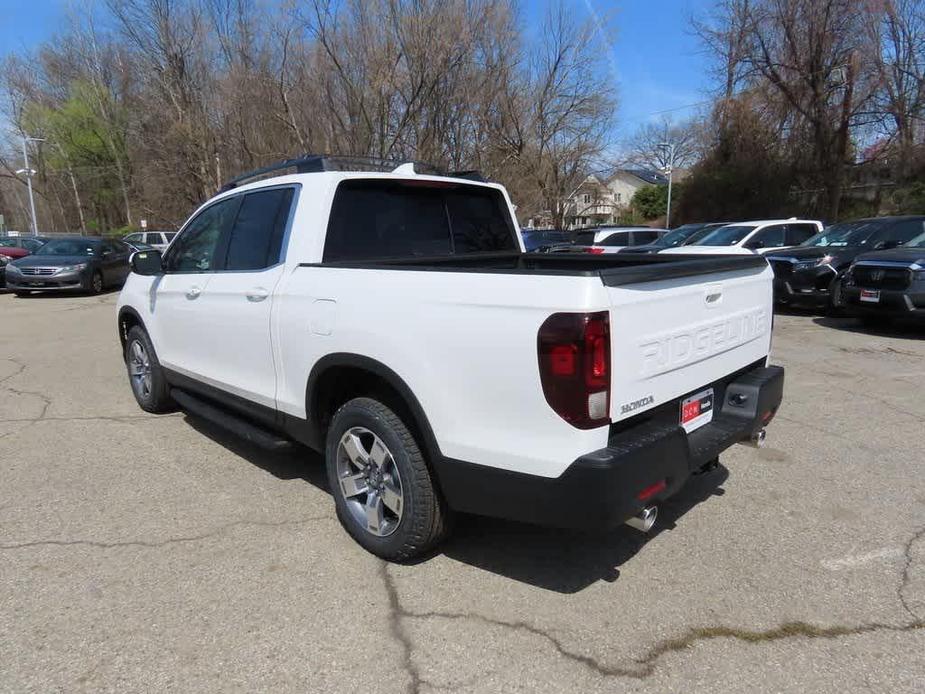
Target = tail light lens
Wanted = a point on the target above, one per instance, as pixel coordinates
(574, 359)
(594, 250)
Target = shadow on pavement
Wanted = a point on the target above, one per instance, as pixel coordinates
(567, 561)
(904, 329)
(563, 561)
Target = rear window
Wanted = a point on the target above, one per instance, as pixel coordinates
(621, 238)
(373, 219)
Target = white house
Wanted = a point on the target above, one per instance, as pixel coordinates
(600, 200)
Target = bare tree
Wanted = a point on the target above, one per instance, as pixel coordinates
(644, 149)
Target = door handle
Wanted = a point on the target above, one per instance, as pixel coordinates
(193, 292)
(257, 294)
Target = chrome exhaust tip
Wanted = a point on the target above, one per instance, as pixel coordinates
(756, 440)
(644, 520)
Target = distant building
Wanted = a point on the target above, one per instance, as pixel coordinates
(600, 200)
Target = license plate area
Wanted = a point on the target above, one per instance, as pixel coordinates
(697, 410)
(871, 296)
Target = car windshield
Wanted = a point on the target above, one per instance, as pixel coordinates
(727, 236)
(684, 234)
(70, 247)
(854, 233)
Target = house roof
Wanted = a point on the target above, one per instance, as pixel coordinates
(654, 178)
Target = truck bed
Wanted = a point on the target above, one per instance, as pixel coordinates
(615, 270)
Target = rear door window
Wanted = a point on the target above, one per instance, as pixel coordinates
(798, 233)
(372, 219)
(256, 237)
(643, 237)
(621, 238)
(152, 238)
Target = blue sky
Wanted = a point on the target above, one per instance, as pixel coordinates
(658, 63)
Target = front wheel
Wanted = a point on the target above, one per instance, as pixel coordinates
(385, 496)
(149, 386)
(96, 282)
(836, 301)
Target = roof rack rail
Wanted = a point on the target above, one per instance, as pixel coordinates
(316, 163)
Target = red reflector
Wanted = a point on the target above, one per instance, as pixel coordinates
(595, 251)
(562, 359)
(652, 490)
(766, 417)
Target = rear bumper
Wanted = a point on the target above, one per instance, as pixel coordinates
(601, 489)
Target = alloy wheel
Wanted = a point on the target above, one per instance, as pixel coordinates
(369, 481)
(139, 369)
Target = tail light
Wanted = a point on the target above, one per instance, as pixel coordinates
(574, 358)
(594, 250)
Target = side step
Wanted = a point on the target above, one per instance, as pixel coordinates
(256, 435)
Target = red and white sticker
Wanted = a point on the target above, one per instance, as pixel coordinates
(697, 410)
(870, 295)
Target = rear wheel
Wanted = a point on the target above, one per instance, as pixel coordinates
(149, 386)
(383, 490)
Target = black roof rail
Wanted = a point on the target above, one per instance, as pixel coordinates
(315, 163)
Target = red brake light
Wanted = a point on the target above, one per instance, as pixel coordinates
(574, 361)
(595, 250)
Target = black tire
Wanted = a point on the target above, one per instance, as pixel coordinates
(156, 397)
(95, 285)
(836, 303)
(424, 519)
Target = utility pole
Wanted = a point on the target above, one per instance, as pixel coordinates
(669, 147)
(29, 173)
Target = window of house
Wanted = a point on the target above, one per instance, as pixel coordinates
(586, 198)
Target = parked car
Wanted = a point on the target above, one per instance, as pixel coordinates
(536, 239)
(78, 263)
(8, 254)
(139, 246)
(684, 235)
(887, 284)
(156, 239)
(612, 239)
(28, 243)
(812, 273)
(762, 236)
(392, 321)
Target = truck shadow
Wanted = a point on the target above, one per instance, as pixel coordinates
(567, 561)
(563, 561)
(907, 329)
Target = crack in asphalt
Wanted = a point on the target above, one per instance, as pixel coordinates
(648, 663)
(160, 543)
(397, 629)
(906, 578)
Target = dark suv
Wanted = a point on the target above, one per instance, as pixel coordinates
(887, 284)
(812, 273)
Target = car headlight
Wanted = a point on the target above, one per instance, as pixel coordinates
(918, 276)
(4, 259)
(12, 268)
(72, 268)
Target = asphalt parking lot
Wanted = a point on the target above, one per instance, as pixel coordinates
(142, 553)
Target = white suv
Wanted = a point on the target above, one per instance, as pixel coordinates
(760, 236)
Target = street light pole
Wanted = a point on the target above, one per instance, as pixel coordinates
(670, 147)
(29, 173)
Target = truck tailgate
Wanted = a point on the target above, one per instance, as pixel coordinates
(671, 337)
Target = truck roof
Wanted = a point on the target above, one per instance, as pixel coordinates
(349, 167)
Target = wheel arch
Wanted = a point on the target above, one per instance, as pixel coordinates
(128, 319)
(338, 377)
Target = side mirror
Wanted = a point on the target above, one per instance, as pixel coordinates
(147, 263)
(887, 245)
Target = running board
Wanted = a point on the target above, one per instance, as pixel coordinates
(264, 438)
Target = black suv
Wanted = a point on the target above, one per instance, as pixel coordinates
(887, 284)
(812, 273)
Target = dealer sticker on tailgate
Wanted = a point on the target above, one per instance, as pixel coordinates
(870, 295)
(697, 410)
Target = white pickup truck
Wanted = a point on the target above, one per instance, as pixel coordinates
(391, 320)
